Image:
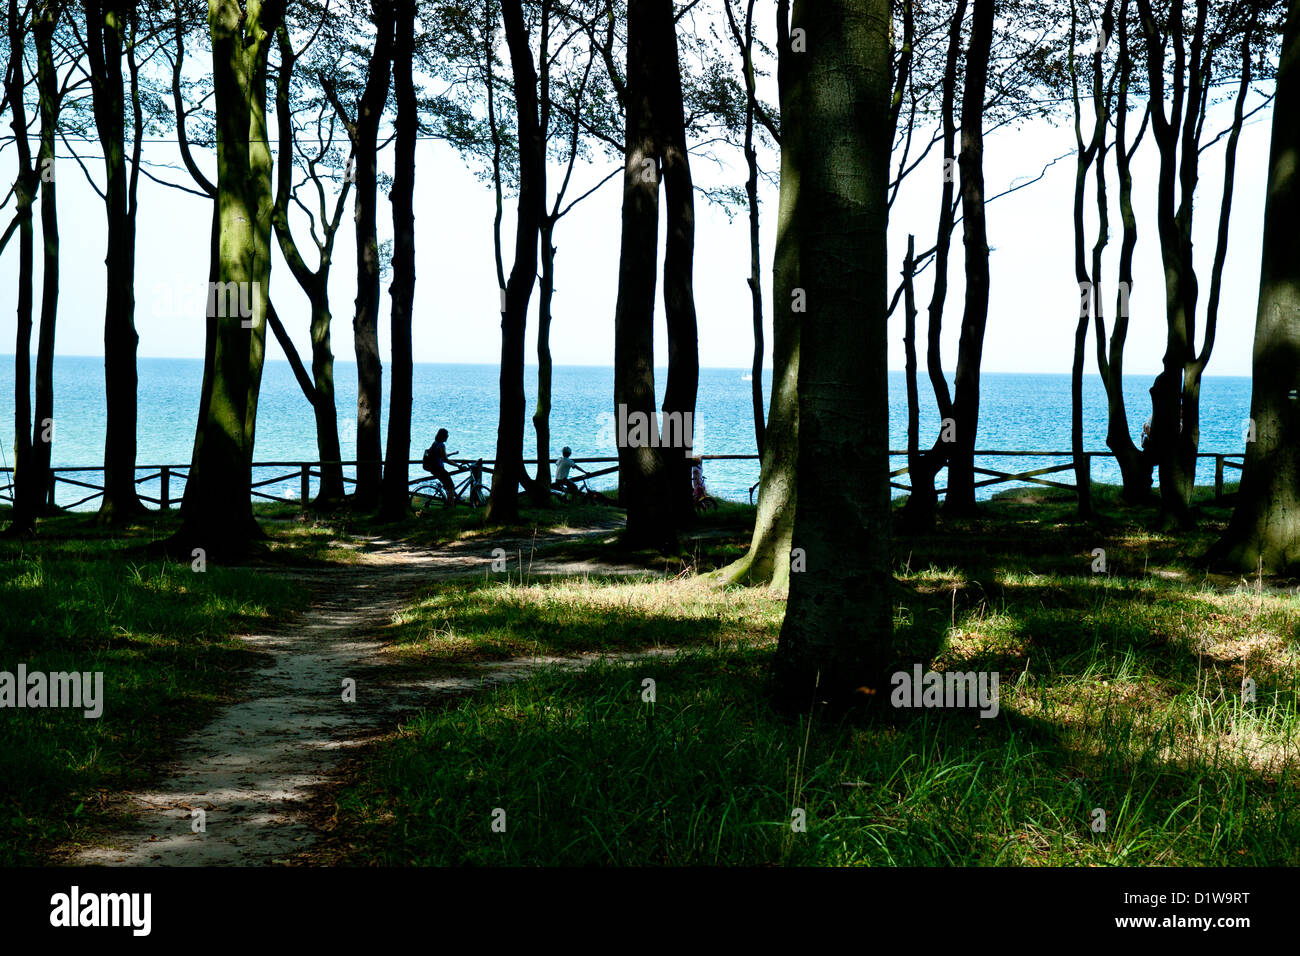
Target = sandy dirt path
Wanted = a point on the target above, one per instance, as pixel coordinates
(253, 769)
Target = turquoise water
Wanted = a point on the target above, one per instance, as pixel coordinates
(1017, 412)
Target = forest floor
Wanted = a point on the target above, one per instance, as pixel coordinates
(252, 769)
(536, 695)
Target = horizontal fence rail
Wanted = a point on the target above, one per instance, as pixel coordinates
(170, 479)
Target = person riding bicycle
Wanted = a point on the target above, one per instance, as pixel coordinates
(435, 462)
(562, 480)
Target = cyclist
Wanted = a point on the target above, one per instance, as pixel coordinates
(435, 462)
(562, 480)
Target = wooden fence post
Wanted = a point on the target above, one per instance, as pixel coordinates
(164, 492)
(306, 485)
(1218, 477)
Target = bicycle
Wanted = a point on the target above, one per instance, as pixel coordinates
(472, 491)
(705, 502)
(576, 492)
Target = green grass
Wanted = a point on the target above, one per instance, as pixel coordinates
(588, 773)
(486, 619)
(1120, 691)
(79, 598)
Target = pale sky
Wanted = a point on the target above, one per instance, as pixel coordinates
(1034, 297)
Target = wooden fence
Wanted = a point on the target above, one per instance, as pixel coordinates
(171, 477)
(1222, 460)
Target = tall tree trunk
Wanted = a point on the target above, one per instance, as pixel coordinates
(365, 321)
(218, 518)
(541, 488)
(105, 26)
(1089, 152)
(1135, 466)
(768, 559)
(48, 89)
(682, 385)
(836, 637)
(918, 512)
(214, 249)
(914, 458)
(190, 495)
(1176, 392)
(745, 41)
(1264, 532)
(970, 349)
(324, 408)
(542, 415)
(503, 506)
(319, 389)
(395, 499)
(642, 470)
(26, 481)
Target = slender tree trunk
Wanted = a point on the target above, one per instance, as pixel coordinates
(1135, 466)
(914, 458)
(402, 292)
(682, 385)
(1089, 153)
(837, 633)
(503, 506)
(919, 511)
(768, 559)
(642, 471)
(1264, 533)
(48, 88)
(755, 281)
(25, 479)
(541, 488)
(970, 350)
(319, 387)
(542, 416)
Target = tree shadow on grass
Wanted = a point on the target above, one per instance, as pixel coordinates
(587, 771)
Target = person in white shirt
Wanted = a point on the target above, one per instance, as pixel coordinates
(562, 481)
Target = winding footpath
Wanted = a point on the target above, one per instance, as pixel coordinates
(252, 771)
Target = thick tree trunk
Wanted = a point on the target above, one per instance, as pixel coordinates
(402, 292)
(324, 407)
(365, 321)
(768, 559)
(1264, 532)
(836, 637)
(970, 350)
(503, 506)
(642, 471)
(682, 385)
(105, 23)
(209, 366)
(218, 516)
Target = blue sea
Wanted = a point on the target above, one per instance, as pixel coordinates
(1017, 412)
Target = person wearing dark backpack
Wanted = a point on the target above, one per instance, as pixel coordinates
(435, 462)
